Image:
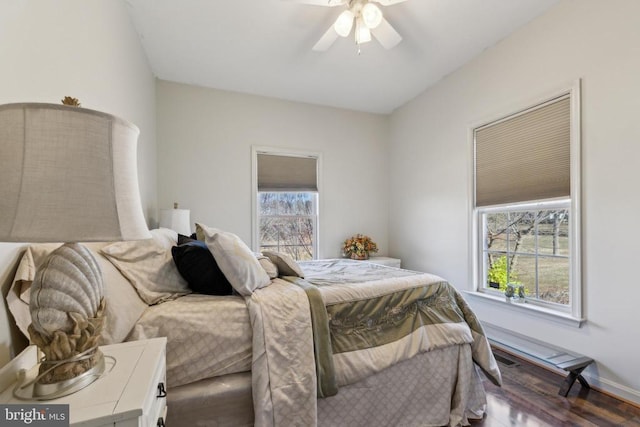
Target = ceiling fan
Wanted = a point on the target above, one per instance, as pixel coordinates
(365, 16)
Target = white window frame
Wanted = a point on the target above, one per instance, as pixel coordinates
(573, 313)
(255, 217)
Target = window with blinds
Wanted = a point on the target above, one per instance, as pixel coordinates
(287, 203)
(524, 209)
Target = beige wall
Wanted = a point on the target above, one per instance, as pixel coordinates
(204, 159)
(88, 50)
(430, 171)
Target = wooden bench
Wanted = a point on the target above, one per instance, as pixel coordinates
(568, 361)
(572, 363)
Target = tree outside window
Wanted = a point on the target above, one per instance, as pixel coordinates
(529, 247)
(288, 223)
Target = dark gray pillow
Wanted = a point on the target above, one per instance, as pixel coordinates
(182, 239)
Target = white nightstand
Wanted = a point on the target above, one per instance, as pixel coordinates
(384, 260)
(131, 394)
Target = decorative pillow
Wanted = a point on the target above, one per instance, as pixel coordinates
(286, 265)
(124, 307)
(198, 267)
(182, 239)
(269, 267)
(150, 269)
(237, 262)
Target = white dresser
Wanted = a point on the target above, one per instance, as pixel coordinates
(130, 393)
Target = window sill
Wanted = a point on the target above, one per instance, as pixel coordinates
(529, 309)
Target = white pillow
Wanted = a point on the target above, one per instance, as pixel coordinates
(165, 237)
(124, 305)
(287, 266)
(149, 267)
(268, 266)
(203, 230)
(236, 261)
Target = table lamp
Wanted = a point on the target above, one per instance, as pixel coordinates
(68, 174)
(176, 219)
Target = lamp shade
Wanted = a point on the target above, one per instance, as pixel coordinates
(68, 174)
(176, 219)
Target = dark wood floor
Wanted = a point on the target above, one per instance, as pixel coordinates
(529, 397)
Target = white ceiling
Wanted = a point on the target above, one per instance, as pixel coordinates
(263, 47)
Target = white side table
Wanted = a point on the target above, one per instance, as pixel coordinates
(384, 260)
(131, 394)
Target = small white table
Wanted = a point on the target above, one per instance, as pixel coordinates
(384, 260)
(130, 393)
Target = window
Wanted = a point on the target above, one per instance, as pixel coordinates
(528, 246)
(286, 195)
(288, 222)
(526, 182)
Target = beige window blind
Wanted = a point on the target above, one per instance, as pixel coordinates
(524, 157)
(287, 173)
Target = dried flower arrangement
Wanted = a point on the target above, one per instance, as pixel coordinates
(359, 246)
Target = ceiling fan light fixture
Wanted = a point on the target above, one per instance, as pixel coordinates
(363, 34)
(371, 15)
(344, 23)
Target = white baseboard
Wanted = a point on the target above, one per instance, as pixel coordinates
(619, 391)
(535, 350)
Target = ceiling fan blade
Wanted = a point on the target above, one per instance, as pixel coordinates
(326, 40)
(389, 2)
(329, 3)
(386, 35)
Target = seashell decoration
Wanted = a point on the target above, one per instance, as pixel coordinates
(67, 316)
(69, 281)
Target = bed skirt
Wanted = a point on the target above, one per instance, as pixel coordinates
(440, 387)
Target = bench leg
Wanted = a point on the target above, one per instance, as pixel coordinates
(570, 379)
(583, 382)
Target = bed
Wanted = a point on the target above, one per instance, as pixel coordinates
(327, 342)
